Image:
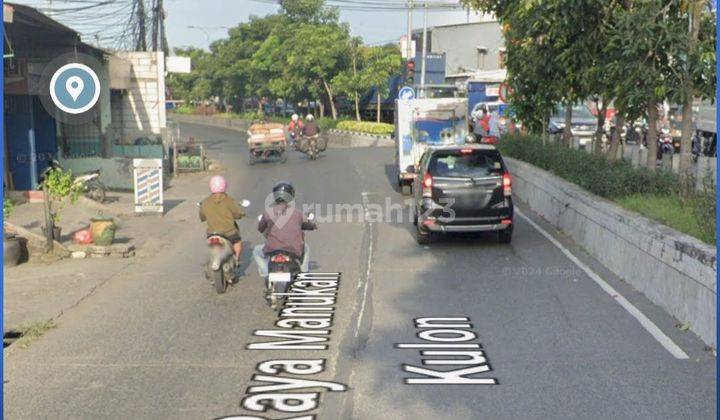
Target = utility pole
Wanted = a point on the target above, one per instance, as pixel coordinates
(424, 52)
(155, 25)
(409, 31)
(141, 45)
(163, 36)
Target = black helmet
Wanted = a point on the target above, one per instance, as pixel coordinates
(283, 191)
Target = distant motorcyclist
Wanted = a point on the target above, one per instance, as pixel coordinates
(295, 128)
(494, 124)
(220, 212)
(283, 225)
(311, 128)
(481, 126)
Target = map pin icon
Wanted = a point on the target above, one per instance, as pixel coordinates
(74, 86)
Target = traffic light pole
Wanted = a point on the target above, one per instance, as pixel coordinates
(424, 52)
(409, 31)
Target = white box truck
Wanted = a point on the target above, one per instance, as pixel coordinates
(423, 123)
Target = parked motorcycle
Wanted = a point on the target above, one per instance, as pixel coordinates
(93, 187)
(283, 268)
(665, 143)
(221, 266)
(703, 146)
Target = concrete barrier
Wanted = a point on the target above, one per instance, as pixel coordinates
(336, 138)
(341, 138)
(675, 271)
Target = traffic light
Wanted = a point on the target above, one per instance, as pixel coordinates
(410, 73)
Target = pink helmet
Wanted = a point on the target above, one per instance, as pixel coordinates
(218, 184)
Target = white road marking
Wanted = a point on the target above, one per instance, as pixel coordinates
(367, 273)
(653, 329)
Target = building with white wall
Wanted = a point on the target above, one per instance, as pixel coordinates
(468, 47)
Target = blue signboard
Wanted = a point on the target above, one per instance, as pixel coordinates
(406, 93)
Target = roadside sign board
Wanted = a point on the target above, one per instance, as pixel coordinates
(504, 92)
(406, 93)
(148, 182)
(404, 47)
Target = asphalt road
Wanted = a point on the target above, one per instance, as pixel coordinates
(156, 342)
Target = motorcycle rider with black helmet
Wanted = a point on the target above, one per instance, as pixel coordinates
(282, 225)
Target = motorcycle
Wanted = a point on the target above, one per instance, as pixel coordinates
(312, 146)
(93, 187)
(283, 268)
(665, 143)
(703, 145)
(309, 146)
(221, 265)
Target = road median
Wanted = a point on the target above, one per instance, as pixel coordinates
(336, 138)
(674, 270)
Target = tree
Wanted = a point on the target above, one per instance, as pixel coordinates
(318, 55)
(197, 85)
(380, 64)
(697, 74)
(350, 81)
(233, 58)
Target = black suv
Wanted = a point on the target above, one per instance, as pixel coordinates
(462, 188)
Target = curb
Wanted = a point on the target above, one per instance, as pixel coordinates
(58, 248)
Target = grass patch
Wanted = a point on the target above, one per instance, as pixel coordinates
(184, 109)
(33, 331)
(654, 194)
(675, 213)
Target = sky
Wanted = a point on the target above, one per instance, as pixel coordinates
(212, 17)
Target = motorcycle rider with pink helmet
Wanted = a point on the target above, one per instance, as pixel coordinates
(220, 212)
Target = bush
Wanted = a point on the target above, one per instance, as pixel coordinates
(367, 127)
(591, 172)
(703, 207)
(694, 216)
(654, 194)
(184, 109)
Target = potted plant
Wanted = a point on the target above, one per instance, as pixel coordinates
(11, 244)
(60, 186)
(103, 230)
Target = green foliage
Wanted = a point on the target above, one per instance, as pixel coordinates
(367, 127)
(300, 54)
(591, 172)
(189, 162)
(199, 83)
(8, 208)
(185, 109)
(695, 216)
(60, 186)
(704, 207)
(655, 194)
(626, 51)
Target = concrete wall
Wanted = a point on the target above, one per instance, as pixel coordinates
(141, 109)
(460, 42)
(116, 172)
(340, 138)
(674, 270)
